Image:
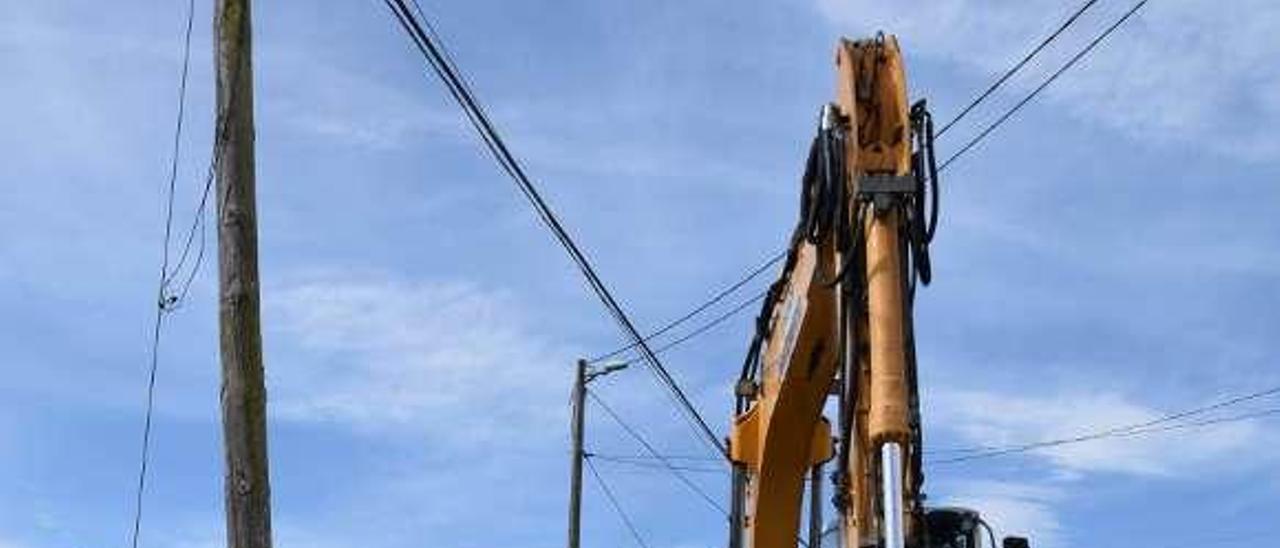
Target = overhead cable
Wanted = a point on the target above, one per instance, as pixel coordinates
(719, 296)
(1141, 428)
(163, 299)
(462, 94)
(650, 464)
(1016, 67)
(710, 324)
(613, 501)
(964, 112)
(1070, 63)
(666, 462)
(689, 458)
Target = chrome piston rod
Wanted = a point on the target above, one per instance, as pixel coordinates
(891, 491)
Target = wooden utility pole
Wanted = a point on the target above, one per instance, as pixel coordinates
(575, 468)
(585, 374)
(244, 395)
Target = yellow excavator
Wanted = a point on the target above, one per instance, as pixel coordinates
(835, 335)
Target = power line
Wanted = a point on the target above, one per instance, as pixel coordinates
(656, 465)
(964, 112)
(689, 458)
(163, 300)
(666, 462)
(1017, 67)
(1132, 429)
(461, 93)
(710, 324)
(1009, 113)
(613, 500)
(719, 296)
(199, 219)
(782, 254)
(1129, 434)
(974, 103)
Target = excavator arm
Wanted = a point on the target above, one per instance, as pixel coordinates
(837, 325)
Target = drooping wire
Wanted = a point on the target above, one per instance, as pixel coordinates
(164, 301)
(1242, 417)
(719, 296)
(1070, 63)
(670, 457)
(462, 94)
(446, 54)
(199, 218)
(709, 325)
(169, 299)
(617, 508)
(991, 89)
(648, 447)
(649, 464)
(1016, 67)
(1146, 427)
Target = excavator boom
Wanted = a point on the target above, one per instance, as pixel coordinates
(837, 325)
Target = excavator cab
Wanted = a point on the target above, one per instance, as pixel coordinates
(954, 527)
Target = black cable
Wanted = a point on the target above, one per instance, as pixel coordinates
(690, 458)
(163, 301)
(655, 454)
(928, 165)
(991, 534)
(1258, 414)
(1009, 113)
(1262, 413)
(1131, 429)
(199, 218)
(507, 161)
(446, 54)
(707, 326)
(613, 500)
(1017, 67)
(921, 220)
(719, 296)
(659, 466)
(931, 163)
(665, 460)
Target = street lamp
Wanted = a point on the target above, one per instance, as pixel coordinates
(586, 373)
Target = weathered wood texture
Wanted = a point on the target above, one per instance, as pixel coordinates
(244, 398)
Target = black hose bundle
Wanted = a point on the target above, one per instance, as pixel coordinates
(923, 219)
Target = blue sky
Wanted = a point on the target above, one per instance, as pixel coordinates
(1104, 258)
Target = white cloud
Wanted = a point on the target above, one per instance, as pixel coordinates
(1028, 505)
(1177, 71)
(1016, 509)
(351, 108)
(450, 358)
(991, 419)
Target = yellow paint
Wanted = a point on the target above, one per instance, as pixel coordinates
(782, 434)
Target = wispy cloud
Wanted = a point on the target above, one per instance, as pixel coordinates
(996, 419)
(343, 105)
(450, 358)
(1030, 505)
(1178, 72)
(1011, 508)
